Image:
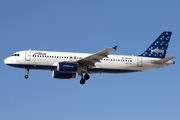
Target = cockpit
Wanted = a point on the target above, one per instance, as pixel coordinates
(15, 55)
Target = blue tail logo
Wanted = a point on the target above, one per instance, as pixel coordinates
(159, 47)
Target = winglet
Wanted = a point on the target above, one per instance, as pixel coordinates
(115, 47)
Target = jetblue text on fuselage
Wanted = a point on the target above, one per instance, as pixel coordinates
(39, 53)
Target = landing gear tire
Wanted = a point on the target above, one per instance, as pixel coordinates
(82, 81)
(26, 76)
(86, 76)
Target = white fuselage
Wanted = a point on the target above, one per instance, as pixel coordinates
(47, 60)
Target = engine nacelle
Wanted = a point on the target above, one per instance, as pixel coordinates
(67, 67)
(62, 75)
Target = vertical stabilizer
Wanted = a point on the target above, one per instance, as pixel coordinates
(159, 47)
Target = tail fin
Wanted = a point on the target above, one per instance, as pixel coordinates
(159, 47)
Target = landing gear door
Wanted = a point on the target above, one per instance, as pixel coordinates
(28, 55)
(139, 62)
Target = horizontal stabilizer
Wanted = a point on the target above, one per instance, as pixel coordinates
(164, 60)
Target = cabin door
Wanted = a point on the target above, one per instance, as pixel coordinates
(28, 56)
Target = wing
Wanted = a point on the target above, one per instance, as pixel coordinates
(92, 59)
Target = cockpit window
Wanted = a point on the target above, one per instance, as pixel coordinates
(15, 55)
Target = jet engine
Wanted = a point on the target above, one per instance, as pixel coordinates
(63, 75)
(67, 67)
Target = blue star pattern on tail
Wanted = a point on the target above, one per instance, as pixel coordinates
(159, 47)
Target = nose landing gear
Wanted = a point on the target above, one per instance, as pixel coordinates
(27, 72)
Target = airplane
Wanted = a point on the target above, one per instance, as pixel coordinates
(65, 65)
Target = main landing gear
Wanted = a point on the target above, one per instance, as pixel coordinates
(27, 72)
(83, 80)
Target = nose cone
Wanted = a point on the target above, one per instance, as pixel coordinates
(7, 61)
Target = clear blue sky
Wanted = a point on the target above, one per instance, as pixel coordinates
(89, 26)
